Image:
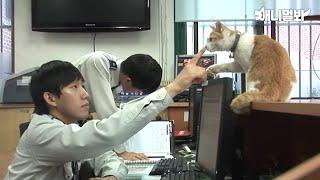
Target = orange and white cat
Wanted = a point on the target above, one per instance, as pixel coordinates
(269, 73)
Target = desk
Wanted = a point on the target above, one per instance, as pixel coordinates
(11, 116)
(146, 177)
(278, 136)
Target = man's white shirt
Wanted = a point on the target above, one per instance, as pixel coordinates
(48, 144)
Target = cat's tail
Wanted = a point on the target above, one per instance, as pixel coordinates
(241, 104)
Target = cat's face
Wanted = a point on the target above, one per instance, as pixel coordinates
(220, 38)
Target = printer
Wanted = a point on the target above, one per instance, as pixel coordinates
(15, 88)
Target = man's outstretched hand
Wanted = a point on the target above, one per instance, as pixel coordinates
(190, 74)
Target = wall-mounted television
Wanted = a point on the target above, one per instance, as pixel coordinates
(90, 15)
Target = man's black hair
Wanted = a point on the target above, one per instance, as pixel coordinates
(51, 77)
(144, 71)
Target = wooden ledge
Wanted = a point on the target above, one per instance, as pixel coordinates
(179, 104)
(7, 106)
(175, 104)
(309, 107)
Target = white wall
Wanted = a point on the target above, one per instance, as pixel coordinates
(34, 48)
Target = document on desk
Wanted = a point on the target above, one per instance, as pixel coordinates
(139, 170)
(154, 140)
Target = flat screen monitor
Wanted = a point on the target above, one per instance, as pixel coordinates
(215, 145)
(90, 15)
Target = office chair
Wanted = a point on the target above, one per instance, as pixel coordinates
(23, 127)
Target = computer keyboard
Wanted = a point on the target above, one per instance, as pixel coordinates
(169, 165)
(185, 175)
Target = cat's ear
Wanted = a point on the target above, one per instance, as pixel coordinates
(219, 27)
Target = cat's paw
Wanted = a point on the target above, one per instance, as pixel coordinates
(213, 69)
(240, 106)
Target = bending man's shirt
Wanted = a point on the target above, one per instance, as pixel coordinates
(101, 77)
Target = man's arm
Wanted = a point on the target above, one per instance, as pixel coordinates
(109, 164)
(191, 73)
(71, 142)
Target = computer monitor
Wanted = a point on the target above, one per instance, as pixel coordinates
(205, 61)
(215, 145)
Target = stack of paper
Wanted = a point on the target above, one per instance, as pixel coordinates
(154, 140)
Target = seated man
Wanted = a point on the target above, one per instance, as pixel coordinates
(54, 145)
(103, 72)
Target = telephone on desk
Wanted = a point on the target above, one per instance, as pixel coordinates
(182, 134)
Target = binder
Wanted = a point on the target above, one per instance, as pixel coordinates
(156, 141)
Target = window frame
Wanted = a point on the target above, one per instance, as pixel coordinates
(275, 36)
(10, 27)
(273, 33)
